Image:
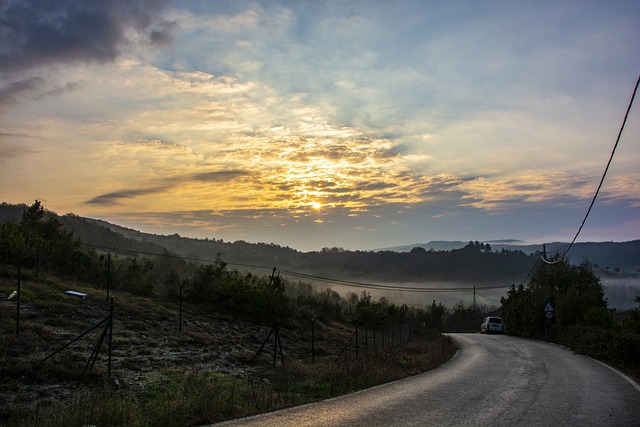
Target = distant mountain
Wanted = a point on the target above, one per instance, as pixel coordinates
(623, 256)
(615, 257)
(434, 245)
(446, 245)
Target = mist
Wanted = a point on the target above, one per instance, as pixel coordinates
(621, 292)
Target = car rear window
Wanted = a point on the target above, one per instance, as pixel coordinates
(495, 320)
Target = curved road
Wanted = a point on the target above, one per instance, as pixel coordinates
(494, 380)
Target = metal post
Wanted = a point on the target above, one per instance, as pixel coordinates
(37, 260)
(356, 340)
(110, 338)
(273, 273)
(275, 341)
(18, 306)
(313, 347)
(374, 338)
(108, 274)
(366, 338)
(180, 317)
(546, 287)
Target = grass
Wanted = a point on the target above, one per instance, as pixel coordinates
(178, 392)
(176, 397)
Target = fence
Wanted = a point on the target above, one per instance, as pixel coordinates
(364, 341)
(376, 339)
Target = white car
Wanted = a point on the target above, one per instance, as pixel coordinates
(492, 324)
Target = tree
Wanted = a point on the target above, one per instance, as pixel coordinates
(171, 285)
(40, 238)
(12, 243)
(434, 316)
(463, 318)
(138, 279)
(575, 292)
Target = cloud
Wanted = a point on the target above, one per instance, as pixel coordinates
(35, 33)
(114, 197)
(430, 116)
(9, 153)
(219, 176)
(11, 92)
(166, 184)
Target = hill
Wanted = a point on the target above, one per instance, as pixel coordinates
(441, 264)
(623, 256)
(56, 368)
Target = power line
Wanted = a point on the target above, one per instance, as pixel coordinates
(595, 196)
(309, 276)
(169, 255)
(482, 297)
(624, 121)
(387, 287)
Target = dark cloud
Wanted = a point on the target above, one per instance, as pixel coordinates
(14, 90)
(113, 197)
(9, 153)
(35, 33)
(30, 87)
(220, 176)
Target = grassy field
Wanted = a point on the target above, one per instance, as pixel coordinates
(163, 376)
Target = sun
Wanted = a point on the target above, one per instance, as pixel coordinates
(316, 205)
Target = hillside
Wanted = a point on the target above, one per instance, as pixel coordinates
(161, 373)
(624, 256)
(441, 264)
(615, 256)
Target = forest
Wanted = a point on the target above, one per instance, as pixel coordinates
(476, 263)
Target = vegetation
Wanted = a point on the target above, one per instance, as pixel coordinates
(151, 289)
(476, 263)
(46, 258)
(580, 317)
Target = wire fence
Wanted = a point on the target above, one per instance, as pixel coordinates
(362, 341)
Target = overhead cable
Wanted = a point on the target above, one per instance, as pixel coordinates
(624, 121)
(386, 287)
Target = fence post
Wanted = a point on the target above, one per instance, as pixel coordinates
(18, 305)
(275, 341)
(366, 338)
(37, 260)
(374, 339)
(356, 340)
(393, 337)
(313, 347)
(180, 316)
(108, 274)
(110, 339)
(384, 338)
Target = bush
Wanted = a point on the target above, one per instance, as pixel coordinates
(614, 345)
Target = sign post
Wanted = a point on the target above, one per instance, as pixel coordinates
(548, 315)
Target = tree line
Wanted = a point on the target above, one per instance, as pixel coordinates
(477, 263)
(41, 243)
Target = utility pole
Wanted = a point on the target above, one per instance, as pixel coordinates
(546, 287)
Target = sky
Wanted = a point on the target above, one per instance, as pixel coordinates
(312, 124)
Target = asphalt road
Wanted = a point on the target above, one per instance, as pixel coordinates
(493, 380)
